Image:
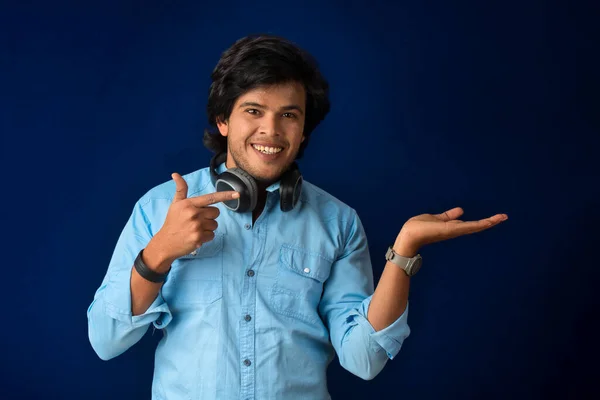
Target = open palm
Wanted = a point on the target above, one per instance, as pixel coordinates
(429, 228)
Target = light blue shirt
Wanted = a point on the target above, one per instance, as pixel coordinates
(257, 313)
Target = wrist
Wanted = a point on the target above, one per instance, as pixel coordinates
(405, 248)
(156, 258)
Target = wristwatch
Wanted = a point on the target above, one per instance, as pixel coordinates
(410, 265)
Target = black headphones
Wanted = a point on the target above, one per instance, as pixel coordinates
(239, 180)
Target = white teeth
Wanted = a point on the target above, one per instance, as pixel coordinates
(267, 150)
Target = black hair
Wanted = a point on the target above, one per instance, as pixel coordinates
(259, 60)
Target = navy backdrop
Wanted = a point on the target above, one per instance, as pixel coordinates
(491, 106)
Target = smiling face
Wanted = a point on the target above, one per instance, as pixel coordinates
(265, 130)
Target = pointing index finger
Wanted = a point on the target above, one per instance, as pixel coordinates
(215, 197)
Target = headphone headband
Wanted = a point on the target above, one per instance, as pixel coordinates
(215, 161)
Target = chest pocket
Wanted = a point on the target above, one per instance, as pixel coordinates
(196, 278)
(299, 283)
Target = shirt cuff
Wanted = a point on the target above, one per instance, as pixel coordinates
(391, 337)
(117, 304)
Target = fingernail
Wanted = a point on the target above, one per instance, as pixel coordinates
(235, 195)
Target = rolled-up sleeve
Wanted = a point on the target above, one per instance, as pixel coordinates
(345, 304)
(112, 329)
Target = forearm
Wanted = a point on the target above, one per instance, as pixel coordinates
(123, 308)
(391, 295)
(144, 292)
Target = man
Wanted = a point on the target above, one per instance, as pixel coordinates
(256, 277)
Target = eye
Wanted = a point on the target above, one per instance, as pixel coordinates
(252, 111)
(289, 115)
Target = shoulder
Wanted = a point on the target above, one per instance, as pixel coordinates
(154, 204)
(198, 182)
(332, 226)
(326, 205)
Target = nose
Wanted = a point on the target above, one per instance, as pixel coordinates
(270, 126)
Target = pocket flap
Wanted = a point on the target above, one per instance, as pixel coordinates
(305, 263)
(207, 249)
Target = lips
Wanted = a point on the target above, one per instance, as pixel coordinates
(267, 153)
(267, 148)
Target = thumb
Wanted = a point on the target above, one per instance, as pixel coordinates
(181, 187)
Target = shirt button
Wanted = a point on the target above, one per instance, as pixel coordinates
(158, 322)
(307, 270)
(195, 252)
(247, 226)
(247, 362)
(250, 273)
(247, 318)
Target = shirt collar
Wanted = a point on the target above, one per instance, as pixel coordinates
(271, 188)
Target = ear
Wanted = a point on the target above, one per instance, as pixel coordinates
(223, 127)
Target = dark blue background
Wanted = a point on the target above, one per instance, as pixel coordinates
(491, 106)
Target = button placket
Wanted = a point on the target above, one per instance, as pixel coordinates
(247, 332)
(248, 305)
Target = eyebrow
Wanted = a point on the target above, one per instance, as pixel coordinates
(284, 108)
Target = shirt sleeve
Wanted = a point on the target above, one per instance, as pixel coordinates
(344, 306)
(112, 329)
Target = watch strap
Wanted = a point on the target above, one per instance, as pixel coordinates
(406, 263)
(146, 272)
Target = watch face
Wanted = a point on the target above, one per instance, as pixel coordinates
(416, 266)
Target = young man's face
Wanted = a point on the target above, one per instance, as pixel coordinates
(265, 130)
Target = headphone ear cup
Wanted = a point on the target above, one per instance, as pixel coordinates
(243, 183)
(290, 189)
(250, 184)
